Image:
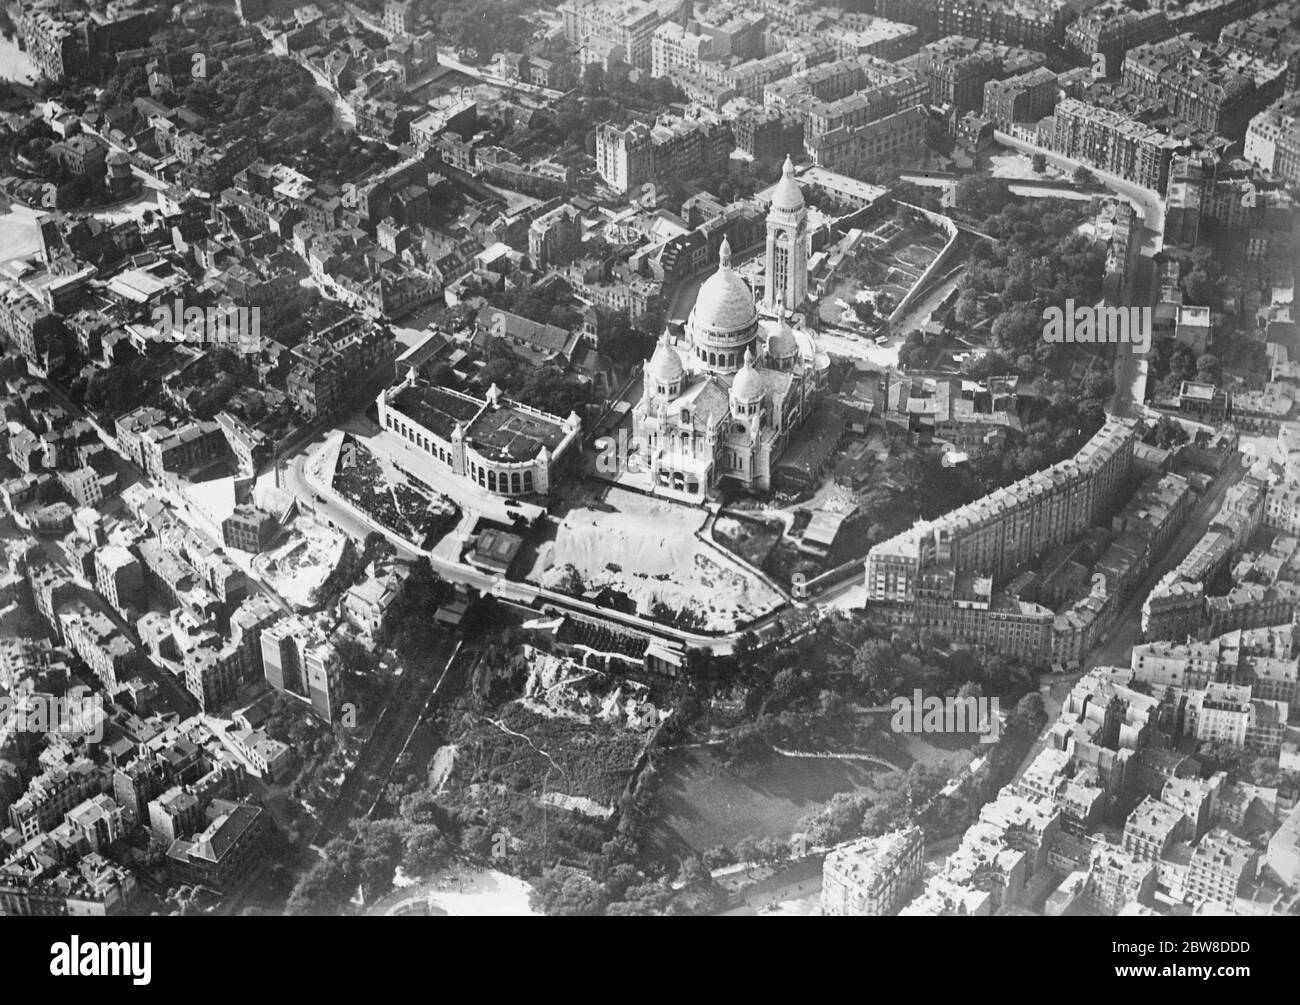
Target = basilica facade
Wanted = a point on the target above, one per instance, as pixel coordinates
(723, 401)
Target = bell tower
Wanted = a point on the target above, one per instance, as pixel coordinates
(787, 244)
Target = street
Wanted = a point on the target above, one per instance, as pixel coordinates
(1126, 630)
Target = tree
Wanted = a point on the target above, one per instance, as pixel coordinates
(693, 872)
(831, 705)
(564, 891)
(425, 851)
(745, 748)
(1082, 176)
(1038, 162)
(875, 665)
(967, 311)
(1208, 369)
(748, 851)
(593, 79)
(330, 883)
(1169, 433)
(983, 195)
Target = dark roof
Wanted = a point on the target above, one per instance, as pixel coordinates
(227, 834)
(508, 433)
(547, 338)
(435, 408)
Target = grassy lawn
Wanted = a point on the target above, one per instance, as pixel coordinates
(705, 805)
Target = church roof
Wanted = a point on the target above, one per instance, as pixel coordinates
(748, 384)
(708, 402)
(782, 344)
(725, 301)
(666, 365)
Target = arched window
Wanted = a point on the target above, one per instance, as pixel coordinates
(492, 480)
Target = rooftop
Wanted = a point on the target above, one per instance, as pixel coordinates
(512, 433)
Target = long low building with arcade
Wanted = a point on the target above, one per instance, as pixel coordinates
(505, 447)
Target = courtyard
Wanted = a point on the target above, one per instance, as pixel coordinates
(890, 261)
(664, 567)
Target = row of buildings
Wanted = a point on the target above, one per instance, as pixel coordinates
(943, 573)
(1109, 818)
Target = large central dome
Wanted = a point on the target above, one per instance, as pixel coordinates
(725, 305)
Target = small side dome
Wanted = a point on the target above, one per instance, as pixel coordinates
(781, 344)
(748, 385)
(666, 365)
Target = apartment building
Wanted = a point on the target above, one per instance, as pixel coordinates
(1032, 23)
(1227, 713)
(1284, 849)
(554, 238)
(51, 589)
(1113, 141)
(1111, 29)
(675, 49)
(175, 813)
(625, 27)
(1026, 97)
(1187, 665)
(1222, 865)
(889, 139)
(1273, 34)
(1116, 879)
(119, 578)
(93, 636)
(35, 331)
(1006, 529)
(97, 821)
(298, 659)
(1213, 88)
(1152, 829)
(958, 67)
(1273, 140)
(221, 855)
(332, 359)
(1001, 861)
(629, 157)
(51, 794)
(158, 444)
(871, 877)
(36, 885)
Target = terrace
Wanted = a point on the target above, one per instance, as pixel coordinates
(436, 408)
(511, 434)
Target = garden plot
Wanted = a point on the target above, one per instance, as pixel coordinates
(373, 483)
(648, 549)
(898, 257)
